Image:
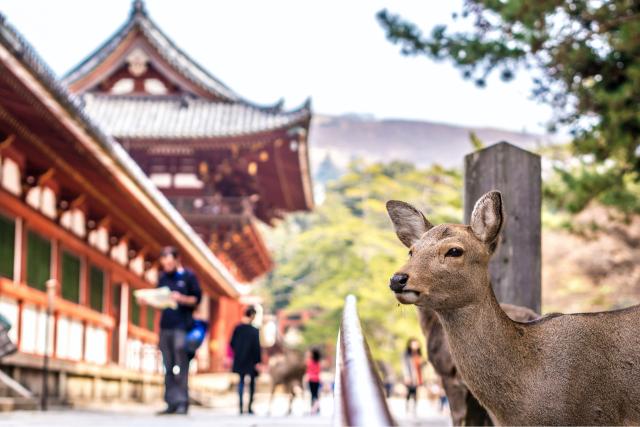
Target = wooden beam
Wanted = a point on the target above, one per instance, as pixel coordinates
(27, 294)
(515, 267)
(7, 142)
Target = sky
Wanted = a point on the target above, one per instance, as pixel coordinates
(332, 51)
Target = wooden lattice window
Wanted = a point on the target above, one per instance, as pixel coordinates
(38, 260)
(7, 246)
(135, 310)
(96, 289)
(71, 270)
(151, 318)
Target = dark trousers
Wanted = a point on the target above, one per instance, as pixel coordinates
(176, 365)
(252, 389)
(412, 392)
(314, 388)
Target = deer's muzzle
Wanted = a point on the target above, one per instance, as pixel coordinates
(398, 282)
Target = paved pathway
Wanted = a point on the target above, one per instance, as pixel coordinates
(138, 416)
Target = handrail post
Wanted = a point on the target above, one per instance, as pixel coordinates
(358, 396)
(51, 287)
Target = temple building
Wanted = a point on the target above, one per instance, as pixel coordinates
(138, 147)
(222, 160)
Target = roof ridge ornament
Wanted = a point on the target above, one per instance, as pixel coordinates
(138, 8)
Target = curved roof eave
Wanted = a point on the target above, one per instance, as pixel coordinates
(176, 57)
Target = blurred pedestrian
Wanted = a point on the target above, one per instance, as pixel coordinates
(245, 343)
(436, 392)
(386, 374)
(444, 400)
(174, 325)
(413, 364)
(313, 378)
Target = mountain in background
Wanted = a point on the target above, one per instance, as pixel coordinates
(590, 268)
(420, 142)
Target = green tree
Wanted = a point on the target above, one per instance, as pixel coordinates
(347, 246)
(585, 59)
(327, 171)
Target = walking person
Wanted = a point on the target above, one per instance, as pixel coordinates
(386, 374)
(313, 379)
(444, 401)
(174, 325)
(245, 343)
(412, 366)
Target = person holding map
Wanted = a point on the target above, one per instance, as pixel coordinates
(175, 322)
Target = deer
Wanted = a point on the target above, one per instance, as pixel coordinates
(562, 369)
(287, 369)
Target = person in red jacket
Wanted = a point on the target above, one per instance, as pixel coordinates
(413, 365)
(313, 379)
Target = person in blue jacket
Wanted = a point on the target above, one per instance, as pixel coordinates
(174, 326)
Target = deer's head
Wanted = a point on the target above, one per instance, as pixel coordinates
(448, 263)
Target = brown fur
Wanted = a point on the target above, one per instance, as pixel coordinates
(287, 369)
(464, 407)
(574, 369)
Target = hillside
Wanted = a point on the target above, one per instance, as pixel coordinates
(594, 267)
(589, 269)
(420, 142)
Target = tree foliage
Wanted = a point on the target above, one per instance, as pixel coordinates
(347, 246)
(585, 59)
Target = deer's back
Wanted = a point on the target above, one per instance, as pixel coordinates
(290, 367)
(586, 366)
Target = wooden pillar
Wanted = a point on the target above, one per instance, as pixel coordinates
(218, 343)
(203, 356)
(19, 272)
(515, 267)
(123, 324)
(56, 256)
(19, 244)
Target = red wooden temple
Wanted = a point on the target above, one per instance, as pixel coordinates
(151, 150)
(222, 160)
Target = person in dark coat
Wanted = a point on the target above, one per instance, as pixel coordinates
(245, 343)
(174, 325)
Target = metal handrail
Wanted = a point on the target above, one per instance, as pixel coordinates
(358, 395)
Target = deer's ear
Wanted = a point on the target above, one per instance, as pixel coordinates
(488, 217)
(408, 222)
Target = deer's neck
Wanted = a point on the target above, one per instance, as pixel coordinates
(484, 345)
(427, 318)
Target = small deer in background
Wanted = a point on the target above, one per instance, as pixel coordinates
(287, 369)
(573, 369)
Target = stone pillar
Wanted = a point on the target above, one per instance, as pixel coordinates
(515, 267)
(125, 389)
(97, 388)
(62, 386)
(146, 394)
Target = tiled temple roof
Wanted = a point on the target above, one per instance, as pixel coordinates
(178, 59)
(184, 117)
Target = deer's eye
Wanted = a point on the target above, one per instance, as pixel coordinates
(454, 252)
(410, 253)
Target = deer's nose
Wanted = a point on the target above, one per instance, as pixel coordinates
(398, 282)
